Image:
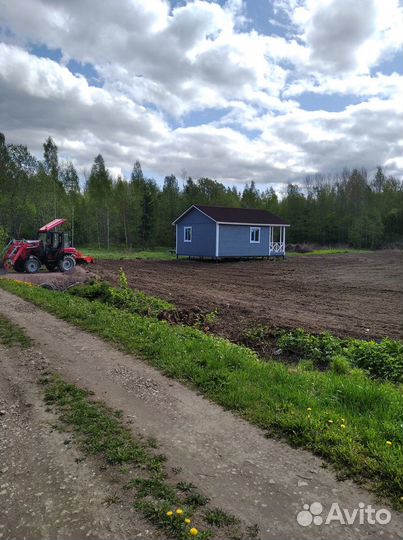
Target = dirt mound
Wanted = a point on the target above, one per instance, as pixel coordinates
(55, 280)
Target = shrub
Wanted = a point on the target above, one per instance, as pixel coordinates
(382, 360)
(340, 364)
(123, 298)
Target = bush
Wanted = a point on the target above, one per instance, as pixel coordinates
(123, 298)
(340, 364)
(382, 360)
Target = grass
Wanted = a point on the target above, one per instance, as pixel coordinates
(100, 432)
(12, 335)
(166, 254)
(125, 298)
(328, 251)
(219, 518)
(163, 254)
(351, 420)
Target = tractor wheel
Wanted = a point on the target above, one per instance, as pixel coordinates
(32, 265)
(67, 263)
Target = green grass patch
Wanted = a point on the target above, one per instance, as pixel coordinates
(100, 432)
(219, 517)
(12, 335)
(130, 300)
(349, 419)
(161, 254)
(100, 429)
(380, 359)
(329, 251)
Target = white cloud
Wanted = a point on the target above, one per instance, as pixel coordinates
(345, 35)
(200, 56)
(354, 85)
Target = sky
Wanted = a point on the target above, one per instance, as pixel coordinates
(235, 90)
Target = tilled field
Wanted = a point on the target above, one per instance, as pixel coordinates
(356, 295)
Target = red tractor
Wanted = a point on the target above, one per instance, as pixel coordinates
(52, 249)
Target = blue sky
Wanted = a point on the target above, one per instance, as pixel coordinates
(235, 90)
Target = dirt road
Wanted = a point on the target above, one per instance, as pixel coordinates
(358, 295)
(259, 480)
(48, 489)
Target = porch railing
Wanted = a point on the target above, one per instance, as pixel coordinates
(276, 248)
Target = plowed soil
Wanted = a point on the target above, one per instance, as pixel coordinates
(359, 295)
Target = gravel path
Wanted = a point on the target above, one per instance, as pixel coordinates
(48, 489)
(260, 480)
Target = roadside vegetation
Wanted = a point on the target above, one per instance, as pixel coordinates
(348, 418)
(326, 251)
(122, 254)
(12, 335)
(125, 298)
(178, 508)
(380, 359)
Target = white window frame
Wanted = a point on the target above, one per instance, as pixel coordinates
(251, 231)
(185, 229)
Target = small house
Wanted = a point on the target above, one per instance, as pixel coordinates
(219, 232)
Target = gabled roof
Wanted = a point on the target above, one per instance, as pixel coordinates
(241, 216)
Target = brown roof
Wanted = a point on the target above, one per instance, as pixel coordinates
(251, 216)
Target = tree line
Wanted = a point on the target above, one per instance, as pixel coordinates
(347, 208)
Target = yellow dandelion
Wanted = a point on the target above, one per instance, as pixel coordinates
(343, 426)
(401, 498)
(179, 511)
(343, 420)
(309, 409)
(330, 421)
(389, 443)
(187, 521)
(170, 513)
(194, 531)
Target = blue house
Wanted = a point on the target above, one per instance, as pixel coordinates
(219, 232)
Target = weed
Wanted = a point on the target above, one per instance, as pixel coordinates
(112, 499)
(186, 487)
(196, 499)
(219, 517)
(124, 298)
(382, 360)
(340, 364)
(12, 335)
(156, 488)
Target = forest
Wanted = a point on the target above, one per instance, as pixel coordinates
(349, 208)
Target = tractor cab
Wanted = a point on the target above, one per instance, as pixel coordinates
(53, 241)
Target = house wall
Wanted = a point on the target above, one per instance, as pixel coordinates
(234, 241)
(203, 235)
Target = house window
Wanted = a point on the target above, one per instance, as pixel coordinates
(187, 234)
(255, 235)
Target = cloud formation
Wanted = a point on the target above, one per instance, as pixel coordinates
(160, 64)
